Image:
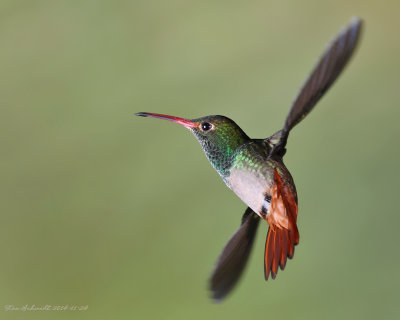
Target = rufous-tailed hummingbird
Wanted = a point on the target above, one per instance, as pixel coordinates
(254, 170)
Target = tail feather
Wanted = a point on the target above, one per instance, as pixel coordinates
(290, 244)
(281, 237)
(284, 252)
(278, 247)
(296, 235)
(277, 254)
(268, 258)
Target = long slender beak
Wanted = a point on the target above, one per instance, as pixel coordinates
(185, 122)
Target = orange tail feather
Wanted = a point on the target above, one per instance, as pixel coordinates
(278, 247)
(281, 240)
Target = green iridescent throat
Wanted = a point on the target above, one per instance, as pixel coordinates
(220, 143)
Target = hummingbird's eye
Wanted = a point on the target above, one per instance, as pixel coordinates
(205, 126)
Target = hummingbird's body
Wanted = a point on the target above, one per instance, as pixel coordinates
(254, 170)
(243, 163)
(251, 175)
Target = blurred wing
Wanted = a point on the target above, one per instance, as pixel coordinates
(325, 73)
(234, 256)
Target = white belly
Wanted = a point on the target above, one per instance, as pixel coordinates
(250, 188)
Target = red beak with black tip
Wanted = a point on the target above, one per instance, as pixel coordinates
(185, 122)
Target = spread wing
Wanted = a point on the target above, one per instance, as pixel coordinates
(234, 256)
(330, 65)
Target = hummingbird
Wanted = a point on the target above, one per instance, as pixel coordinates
(254, 170)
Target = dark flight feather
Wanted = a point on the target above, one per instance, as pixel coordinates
(234, 256)
(323, 76)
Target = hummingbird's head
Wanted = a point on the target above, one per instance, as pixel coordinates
(219, 136)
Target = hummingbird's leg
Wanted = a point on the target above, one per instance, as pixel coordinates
(265, 206)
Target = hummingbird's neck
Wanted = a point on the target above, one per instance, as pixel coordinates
(219, 140)
(221, 153)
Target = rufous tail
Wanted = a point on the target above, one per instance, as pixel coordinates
(278, 247)
(283, 234)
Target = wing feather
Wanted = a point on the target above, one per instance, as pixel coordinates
(234, 256)
(329, 67)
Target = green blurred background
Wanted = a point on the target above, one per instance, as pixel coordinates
(125, 214)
